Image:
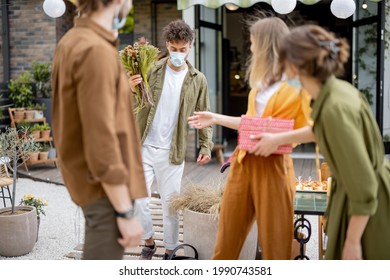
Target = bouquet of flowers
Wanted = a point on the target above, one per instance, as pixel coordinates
(38, 203)
(137, 59)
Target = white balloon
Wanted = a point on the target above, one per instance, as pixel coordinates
(283, 6)
(54, 8)
(343, 8)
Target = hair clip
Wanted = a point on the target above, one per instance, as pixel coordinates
(334, 49)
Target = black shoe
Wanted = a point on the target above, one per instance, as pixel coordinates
(168, 256)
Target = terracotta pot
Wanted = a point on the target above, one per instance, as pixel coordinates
(36, 134)
(19, 115)
(29, 114)
(43, 155)
(34, 156)
(45, 134)
(18, 232)
(200, 231)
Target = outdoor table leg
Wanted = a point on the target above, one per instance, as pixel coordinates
(299, 226)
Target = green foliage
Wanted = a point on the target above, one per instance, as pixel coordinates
(45, 126)
(38, 203)
(23, 125)
(41, 78)
(386, 138)
(40, 106)
(20, 90)
(44, 147)
(35, 127)
(16, 145)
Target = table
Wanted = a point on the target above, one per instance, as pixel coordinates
(307, 203)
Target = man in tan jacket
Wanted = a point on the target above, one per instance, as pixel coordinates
(95, 132)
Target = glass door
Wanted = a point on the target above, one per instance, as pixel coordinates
(209, 57)
(368, 54)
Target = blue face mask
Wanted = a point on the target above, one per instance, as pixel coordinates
(295, 82)
(118, 23)
(177, 58)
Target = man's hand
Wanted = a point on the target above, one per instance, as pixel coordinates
(134, 81)
(131, 232)
(203, 159)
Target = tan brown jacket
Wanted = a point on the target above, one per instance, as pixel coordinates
(93, 123)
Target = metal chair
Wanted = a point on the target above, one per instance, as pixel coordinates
(5, 182)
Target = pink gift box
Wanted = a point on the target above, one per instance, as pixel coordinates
(253, 125)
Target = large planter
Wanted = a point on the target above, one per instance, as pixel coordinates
(200, 231)
(18, 232)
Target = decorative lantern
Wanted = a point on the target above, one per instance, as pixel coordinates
(283, 6)
(343, 8)
(231, 6)
(54, 8)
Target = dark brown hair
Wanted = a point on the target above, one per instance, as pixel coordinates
(314, 51)
(89, 6)
(177, 31)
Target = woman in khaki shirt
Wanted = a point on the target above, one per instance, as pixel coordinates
(94, 130)
(347, 134)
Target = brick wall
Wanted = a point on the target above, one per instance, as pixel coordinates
(145, 24)
(1, 49)
(33, 35)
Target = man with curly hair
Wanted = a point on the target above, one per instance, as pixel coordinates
(178, 89)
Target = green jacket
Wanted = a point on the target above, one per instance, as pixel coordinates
(349, 139)
(194, 97)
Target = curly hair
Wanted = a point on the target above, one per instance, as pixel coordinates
(177, 31)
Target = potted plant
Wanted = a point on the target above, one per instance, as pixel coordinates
(39, 109)
(38, 203)
(44, 151)
(20, 90)
(200, 206)
(30, 112)
(41, 72)
(18, 225)
(45, 131)
(36, 131)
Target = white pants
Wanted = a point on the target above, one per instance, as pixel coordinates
(168, 177)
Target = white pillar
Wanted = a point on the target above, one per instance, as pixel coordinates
(189, 18)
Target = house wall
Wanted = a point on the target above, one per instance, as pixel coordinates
(149, 26)
(33, 35)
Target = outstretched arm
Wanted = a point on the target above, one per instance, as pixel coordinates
(203, 119)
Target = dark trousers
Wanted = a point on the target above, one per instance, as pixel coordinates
(101, 232)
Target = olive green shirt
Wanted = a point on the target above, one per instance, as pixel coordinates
(349, 139)
(193, 97)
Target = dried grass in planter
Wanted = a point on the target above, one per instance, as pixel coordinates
(202, 199)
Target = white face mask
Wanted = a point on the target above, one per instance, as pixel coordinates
(118, 23)
(177, 58)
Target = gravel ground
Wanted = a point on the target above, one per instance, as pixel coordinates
(61, 229)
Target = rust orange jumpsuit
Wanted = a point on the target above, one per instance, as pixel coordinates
(262, 189)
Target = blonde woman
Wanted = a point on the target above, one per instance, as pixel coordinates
(258, 188)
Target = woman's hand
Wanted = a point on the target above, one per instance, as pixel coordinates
(134, 81)
(201, 119)
(267, 145)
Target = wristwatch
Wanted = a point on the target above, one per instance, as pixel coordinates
(126, 215)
